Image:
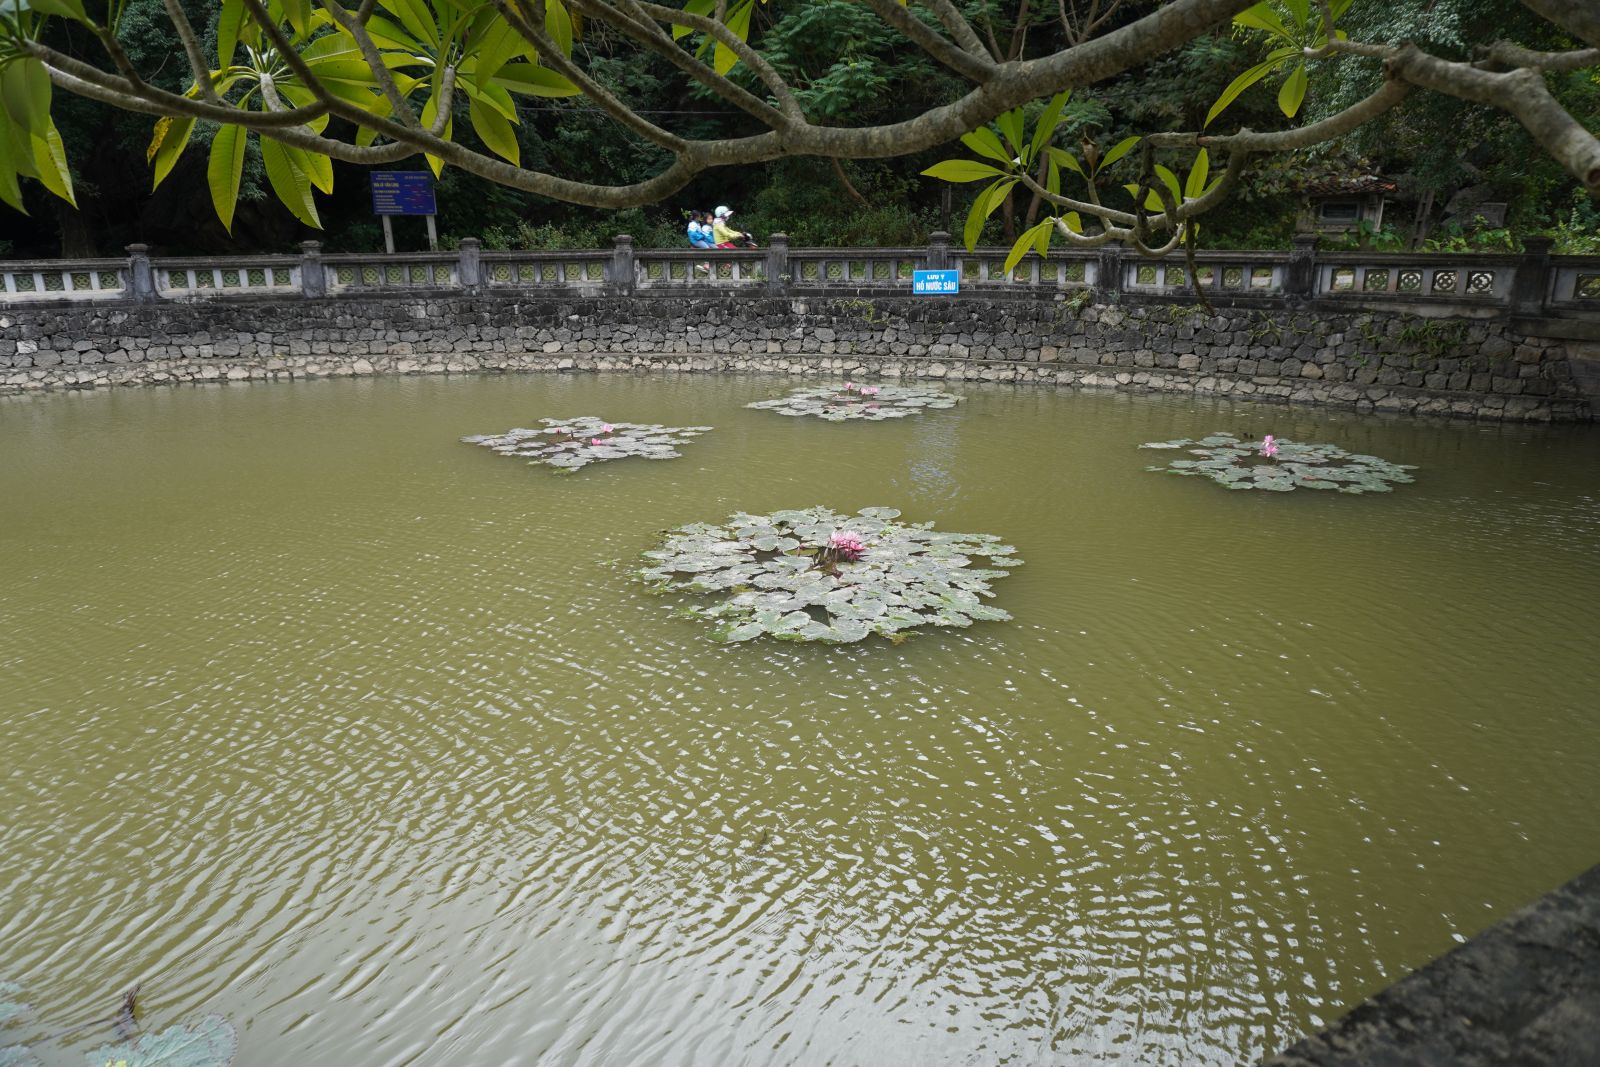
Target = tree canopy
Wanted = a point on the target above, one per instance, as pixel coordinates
(634, 100)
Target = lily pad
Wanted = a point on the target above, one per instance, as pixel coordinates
(211, 1042)
(839, 403)
(817, 575)
(1243, 464)
(571, 444)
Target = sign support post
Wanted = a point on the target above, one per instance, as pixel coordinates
(404, 192)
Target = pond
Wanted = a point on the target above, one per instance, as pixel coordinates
(362, 737)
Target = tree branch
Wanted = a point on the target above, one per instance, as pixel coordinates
(1581, 18)
(974, 68)
(1506, 54)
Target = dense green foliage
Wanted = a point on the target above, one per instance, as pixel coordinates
(849, 68)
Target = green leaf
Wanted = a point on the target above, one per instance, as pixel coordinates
(68, 9)
(693, 7)
(497, 133)
(430, 112)
(298, 12)
(229, 21)
(1299, 10)
(984, 142)
(289, 182)
(50, 158)
(533, 80)
(1195, 184)
(962, 170)
(10, 188)
(1074, 221)
(983, 207)
(1065, 159)
(317, 167)
(739, 23)
(1052, 176)
(1262, 17)
(1010, 124)
(223, 171)
(558, 24)
(1239, 85)
(1170, 180)
(1037, 237)
(1120, 149)
(417, 19)
(1293, 91)
(25, 89)
(1048, 121)
(172, 137)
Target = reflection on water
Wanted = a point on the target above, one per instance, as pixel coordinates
(319, 719)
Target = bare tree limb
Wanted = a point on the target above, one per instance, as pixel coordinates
(1506, 54)
(956, 24)
(1581, 18)
(964, 63)
(191, 48)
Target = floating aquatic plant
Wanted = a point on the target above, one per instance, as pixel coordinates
(1281, 465)
(13, 1008)
(571, 444)
(817, 575)
(870, 402)
(211, 1042)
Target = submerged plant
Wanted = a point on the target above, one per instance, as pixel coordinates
(570, 444)
(817, 575)
(1281, 465)
(871, 402)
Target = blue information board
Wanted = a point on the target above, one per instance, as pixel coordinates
(402, 192)
(935, 281)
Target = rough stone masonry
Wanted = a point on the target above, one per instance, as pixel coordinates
(1367, 360)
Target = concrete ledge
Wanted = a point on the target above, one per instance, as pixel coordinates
(1524, 993)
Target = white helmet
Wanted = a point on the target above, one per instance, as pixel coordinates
(722, 212)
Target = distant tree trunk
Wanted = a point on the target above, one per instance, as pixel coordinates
(76, 242)
(1008, 217)
(844, 180)
(1420, 225)
(1033, 205)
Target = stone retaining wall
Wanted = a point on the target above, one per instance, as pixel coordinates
(1486, 368)
(1525, 992)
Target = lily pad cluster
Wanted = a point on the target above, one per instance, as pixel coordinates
(817, 575)
(850, 401)
(210, 1042)
(1281, 465)
(571, 444)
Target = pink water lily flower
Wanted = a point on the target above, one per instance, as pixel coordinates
(607, 428)
(1269, 446)
(847, 545)
(869, 390)
(849, 387)
(596, 441)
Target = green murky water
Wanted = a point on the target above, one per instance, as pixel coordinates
(317, 718)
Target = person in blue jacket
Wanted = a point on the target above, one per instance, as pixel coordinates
(700, 235)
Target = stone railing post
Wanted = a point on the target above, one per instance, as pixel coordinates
(1300, 280)
(622, 277)
(313, 275)
(1108, 274)
(141, 279)
(1530, 284)
(778, 264)
(938, 250)
(469, 268)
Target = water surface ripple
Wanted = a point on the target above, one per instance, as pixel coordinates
(319, 719)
